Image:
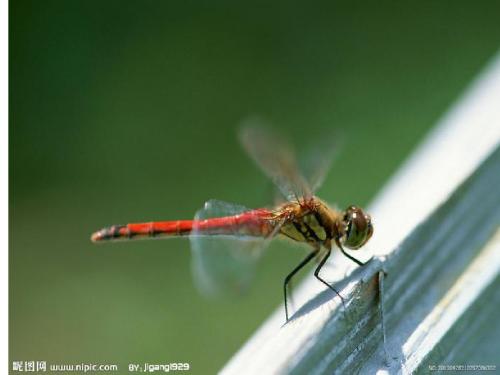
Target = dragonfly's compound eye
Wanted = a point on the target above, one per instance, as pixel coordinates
(359, 228)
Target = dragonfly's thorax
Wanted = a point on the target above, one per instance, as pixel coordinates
(311, 221)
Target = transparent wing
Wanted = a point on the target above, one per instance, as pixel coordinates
(224, 264)
(275, 157)
(319, 157)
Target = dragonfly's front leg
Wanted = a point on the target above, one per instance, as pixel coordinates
(358, 262)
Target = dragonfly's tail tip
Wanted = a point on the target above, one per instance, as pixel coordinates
(96, 236)
(111, 233)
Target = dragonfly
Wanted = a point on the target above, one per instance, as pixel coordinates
(227, 239)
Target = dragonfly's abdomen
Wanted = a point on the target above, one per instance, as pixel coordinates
(252, 223)
(144, 230)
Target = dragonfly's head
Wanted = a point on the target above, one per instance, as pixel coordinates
(356, 228)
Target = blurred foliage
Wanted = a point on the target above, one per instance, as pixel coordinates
(126, 111)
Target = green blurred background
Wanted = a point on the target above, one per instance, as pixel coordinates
(125, 111)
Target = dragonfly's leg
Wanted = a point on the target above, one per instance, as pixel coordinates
(358, 262)
(306, 260)
(316, 274)
(290, 301)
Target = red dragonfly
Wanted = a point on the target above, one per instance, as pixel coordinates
(227, 239)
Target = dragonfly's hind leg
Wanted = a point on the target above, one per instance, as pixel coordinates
(306, 260)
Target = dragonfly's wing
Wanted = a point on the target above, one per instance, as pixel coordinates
(275, 157)
(224, 264)
(319, 157)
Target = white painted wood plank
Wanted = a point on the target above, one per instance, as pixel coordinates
(318, 337)
(465, 291)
